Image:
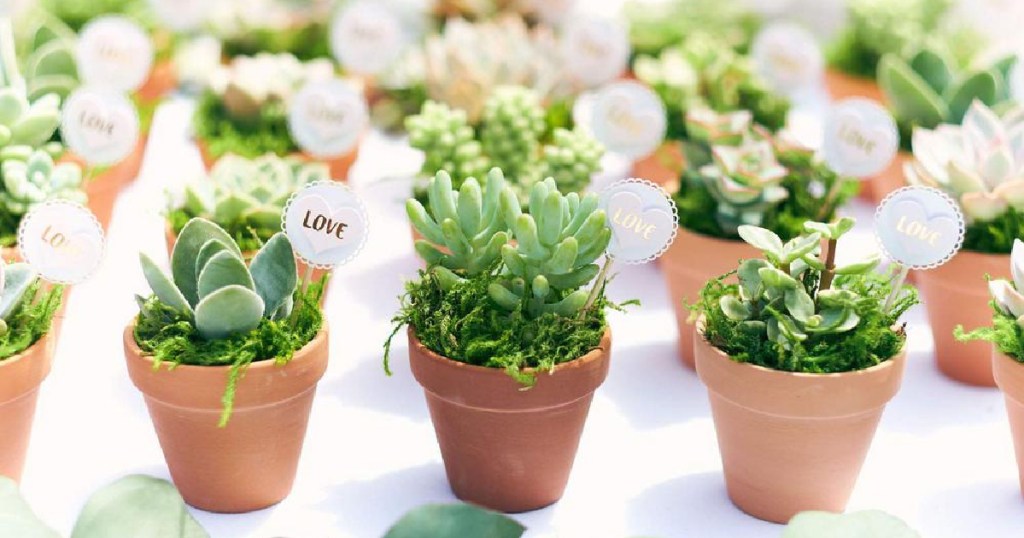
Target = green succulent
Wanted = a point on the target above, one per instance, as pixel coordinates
(46, 47)
(16, 281)
(512, 125)
(77, 13)
(211, 283)
(655, 26)
(448, 142)
(571, 159)
(34, 179)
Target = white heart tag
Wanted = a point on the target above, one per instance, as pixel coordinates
(628, 118)
(326, 223)
(367, 38)
(789, 58)
(62, 240)
(919, 227)
(860, 138)
(113, 52)
(595, 50)
(327, 117)
(642, 217)
(101, 127)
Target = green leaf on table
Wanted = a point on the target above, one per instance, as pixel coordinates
(137, 505)
(454, 521)
(16, 518)
(863, 524)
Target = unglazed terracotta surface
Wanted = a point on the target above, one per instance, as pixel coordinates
(790, 441)
(1009, 376)
(103, 189)
(503, 447)
(20, 377)
(250, 463)
(890, 179)
(663, 167)
(843, 86)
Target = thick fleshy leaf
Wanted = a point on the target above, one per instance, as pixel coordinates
(866, 523)
(229, 310)
(1008, 299)
(273, 271)
(933, 67)
(207, 252)
(982, 86)
(224, 269)
(18, 277)
(137, 505)
(193, 236)
(1017, 263)
(910, 96)
(762, 239)
(16, 518)
(733, 308)
(454, 521)
(799, 304)
(162, 286)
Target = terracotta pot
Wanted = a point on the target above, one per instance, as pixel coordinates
(957, 294)
(843, 86)
(791, 441)
(663, 167)
(506, 448)
(250, 463)
(339, 166)
(1009, 375)
(890, 179)
(689, 263)
(163, 79)
(20, 377)
(102, 189)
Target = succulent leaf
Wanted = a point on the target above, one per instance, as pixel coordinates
(229, 310)
(274, 272)
(161, 284)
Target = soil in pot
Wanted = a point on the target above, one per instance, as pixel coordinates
(841, 85)
(792, 442)
(663, 167)
(691, 260)
(20, 378)
(506, 448)
(1009, 375)
(251, 462)
(339, 166)
(957, 294)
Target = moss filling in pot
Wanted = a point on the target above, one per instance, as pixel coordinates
(797, 311)
(26, 309)
(1007, 330)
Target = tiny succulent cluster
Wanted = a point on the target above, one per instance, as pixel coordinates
(796, 310)
(251, 83)
(927, 89)
(512, 135)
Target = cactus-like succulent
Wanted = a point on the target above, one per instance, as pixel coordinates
(571, 159)
(211, 283)
(16, 280)
(979, 163)
(34, 179)
(1006, 295)
(927, 89)
(512, 125)
(448, 142)
(246, 196)
(27, 123)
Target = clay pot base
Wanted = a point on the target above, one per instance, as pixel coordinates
(1009, 375)
(20, 378)
(662, 167)
(339, 166)
(877, 187)
(505, 448)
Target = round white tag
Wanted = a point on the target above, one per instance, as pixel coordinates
(642, 217)
(789, 58)
(61, 240)
(628, 118)
(114, 52)
(366, 38)
(100, 126)
(181, 15)
(860, 138)
(919, 227)
(326, 223)
(596, 50)
(327, 117)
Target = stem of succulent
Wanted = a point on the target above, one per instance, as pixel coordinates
(896, 288)
(830, 266)
(598, 285)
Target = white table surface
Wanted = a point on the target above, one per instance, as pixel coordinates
(648, 462)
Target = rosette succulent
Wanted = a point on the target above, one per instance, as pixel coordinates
(1006, 295)
(35, 179)
(745, 180)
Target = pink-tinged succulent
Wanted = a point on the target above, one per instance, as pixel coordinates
(1007, 294)
(745, 180)
(980, 162)
(706, 125)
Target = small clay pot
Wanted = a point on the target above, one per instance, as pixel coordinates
(102, 189)
(1009, 376)
(339, 166)
(163, 79)
(663, 167)
(250, 463)
(689, 263)
(503, 447)
(956, 293)
(844, 86)
(20, 377)
(792, 442)
(13, 255)
(888, 180)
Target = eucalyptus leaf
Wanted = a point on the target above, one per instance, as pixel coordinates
(863, 524)
(454, 521)
(137, 506)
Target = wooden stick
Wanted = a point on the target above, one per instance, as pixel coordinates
(896, 288)
(598, 285)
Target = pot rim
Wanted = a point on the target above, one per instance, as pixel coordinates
(25, 352)
(1005, 366)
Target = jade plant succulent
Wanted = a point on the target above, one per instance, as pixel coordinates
(927, 89)
(796, 310)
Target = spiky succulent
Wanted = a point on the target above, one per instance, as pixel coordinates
(211, 283)
(34, 179)
(249, 84)
(16, 280)
(980, 163)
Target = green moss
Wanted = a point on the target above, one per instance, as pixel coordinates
(221, 134)
(169, 336)
(1005, 333)
(249, 239)
(876, 338)
(31, 320)
(995, 236)
(306, 42)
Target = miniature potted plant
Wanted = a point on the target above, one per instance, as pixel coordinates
(654, 27)
(244, 109)
(228, 357)
(274, 26)
(978, 164)
(27, 310)
(928, 90)
(702, 72)
(737, 174)
(1007, 338)
(800, 357)
(506, 340)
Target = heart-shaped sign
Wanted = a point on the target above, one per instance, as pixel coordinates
(642, 218)
(860, 138)
(628, 118)
(367, 38)
(595, 50)
(327, 117)
(326, 223)
(100, 126)
(919, 227)
(789, 58)
(62, 240)
(113, 52)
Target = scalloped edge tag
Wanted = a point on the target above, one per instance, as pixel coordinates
(327, 117)
(919, 227)
(62, 241)
(326, 223)
(367, 38)
(643, 219)
(114, 52)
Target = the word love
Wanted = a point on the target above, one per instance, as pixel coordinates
(919, 227)
(627, 118)
(596, 50)
(100, 126)
(860, 138)
(634, 223)
(642, 220)
(318, 222)
(115, 53)
(326, 224)
(326, 118)
(62, 241)
(366, 38)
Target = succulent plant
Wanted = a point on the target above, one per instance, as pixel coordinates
(212, 284)
(247, 27)
(512, 125)
(553, 256)
(571, 159)
(16, 280)
(1006, 295)
(655, 26)
(46, 47)
(927, 90)
(447, 140)
(34, 179)
(243, 194)
(24, 122)
(980, 163)
(251, 83)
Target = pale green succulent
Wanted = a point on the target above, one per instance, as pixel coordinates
(571, 159)
(447, 141)
(32, 179)
(210, 281)
(25, 123)
(15, 281)
(511, 128)
(46, 47)
(249, 84)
